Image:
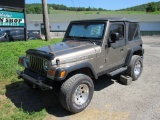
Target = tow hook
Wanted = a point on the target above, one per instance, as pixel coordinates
(34, 86)
(19, 77)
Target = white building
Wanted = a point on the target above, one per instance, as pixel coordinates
(149, 24)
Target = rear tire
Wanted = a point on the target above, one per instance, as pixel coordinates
(76, 93)
(135, 67)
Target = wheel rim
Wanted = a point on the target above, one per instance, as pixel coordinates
(137, 68)
(81, 94)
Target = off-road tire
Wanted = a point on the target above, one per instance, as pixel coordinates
(136, 61)
(76, 93)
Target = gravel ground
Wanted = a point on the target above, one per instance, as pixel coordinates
(111, 100)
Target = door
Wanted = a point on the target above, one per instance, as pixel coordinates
(12, 35)
(42, 28)
(115, 51)
(20, 34)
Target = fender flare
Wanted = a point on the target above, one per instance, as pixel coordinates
(74, 68)
(131, 52)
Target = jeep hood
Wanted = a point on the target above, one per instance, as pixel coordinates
(72, 51)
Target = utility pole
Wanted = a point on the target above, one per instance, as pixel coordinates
(46, 20)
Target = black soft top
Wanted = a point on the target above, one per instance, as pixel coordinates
(107, 19)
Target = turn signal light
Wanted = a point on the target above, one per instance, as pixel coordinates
(51, 72)
(20, 61)
(62, 74)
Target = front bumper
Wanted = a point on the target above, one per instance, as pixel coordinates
(36, 82)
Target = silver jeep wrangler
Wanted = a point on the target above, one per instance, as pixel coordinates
(90, 48)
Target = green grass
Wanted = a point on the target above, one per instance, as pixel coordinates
(9, 112)
(100, 12)
(10, 52)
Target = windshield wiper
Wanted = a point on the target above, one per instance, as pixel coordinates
(87, 39)
(70, 37)
(92, 40)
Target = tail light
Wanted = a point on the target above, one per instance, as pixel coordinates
(39, 36)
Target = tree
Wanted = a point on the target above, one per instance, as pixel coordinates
(38, 10)
(151, 7)
(88, 9)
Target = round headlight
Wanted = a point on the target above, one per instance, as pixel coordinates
(46, 65)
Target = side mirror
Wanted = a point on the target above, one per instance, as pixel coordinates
(114, 37)
(5, 35)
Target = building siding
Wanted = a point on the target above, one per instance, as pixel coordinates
(149, 24)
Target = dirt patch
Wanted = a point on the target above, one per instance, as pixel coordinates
(2, 97)
(96, 114)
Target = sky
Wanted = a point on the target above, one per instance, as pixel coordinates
(106, 4)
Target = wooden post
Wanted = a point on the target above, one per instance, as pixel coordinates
(46, 20)
(25, 26)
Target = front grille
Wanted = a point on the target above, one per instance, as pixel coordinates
(36, 64)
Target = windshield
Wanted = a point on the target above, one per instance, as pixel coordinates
(86, 30)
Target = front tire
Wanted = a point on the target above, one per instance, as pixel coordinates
(76, 93)
(135, 67)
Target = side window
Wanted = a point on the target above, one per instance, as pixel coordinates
(20, 32)
(117, 28)
(13, 33)
(133, 33)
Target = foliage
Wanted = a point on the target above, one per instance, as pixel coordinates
(141, 7)
(36, 8)
(97, 12)
(63, 7)
(151, 7)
